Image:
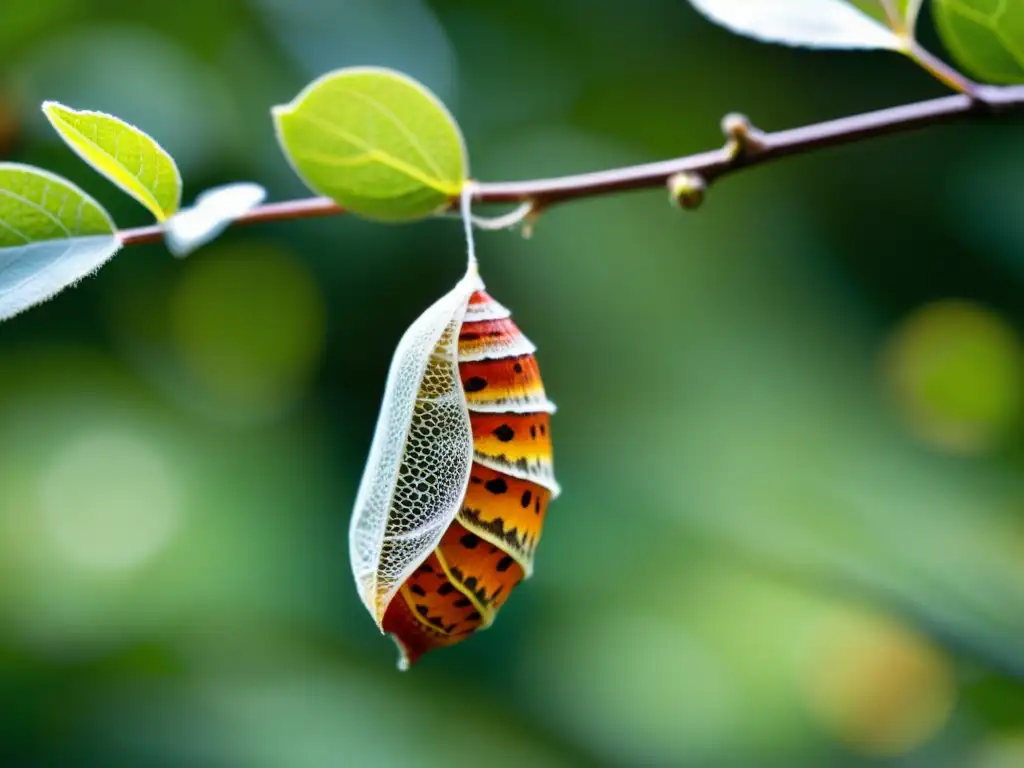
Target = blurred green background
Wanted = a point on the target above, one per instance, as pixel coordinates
(790, 424)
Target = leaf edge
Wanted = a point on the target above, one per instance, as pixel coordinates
(288, 109)
(159, 213)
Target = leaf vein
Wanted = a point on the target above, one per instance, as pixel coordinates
(29, 279)
(37, 207)
(15, 230)
(391, 117)
(383, 158)
(141, 188)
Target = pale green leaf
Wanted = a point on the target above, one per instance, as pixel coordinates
(121, 152)
(376, 141)
(210, 215)
(52, 234)
(985, 36)
(810, 23)
(910, 9)
(902, 18)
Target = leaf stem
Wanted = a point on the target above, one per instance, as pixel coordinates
(974, 100)
(941, 71)
(894, 17)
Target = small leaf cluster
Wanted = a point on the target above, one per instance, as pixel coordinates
(375, 141)
(383, 147)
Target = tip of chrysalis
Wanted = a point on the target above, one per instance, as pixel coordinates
(403, 663)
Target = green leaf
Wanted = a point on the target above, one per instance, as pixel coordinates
(906, 11)
(52, 234)
(985, 36)
(121, 152)
(810, 23)
(910, 10)
(376, 141)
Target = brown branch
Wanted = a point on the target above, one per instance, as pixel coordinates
(746, 147)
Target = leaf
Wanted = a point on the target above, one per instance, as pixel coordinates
(906, 12)
(210, 215)
(910, 10)
(52, 234)
(376, 141)
(122, 153)
(813, 23)
(985, 36)
(420, 457)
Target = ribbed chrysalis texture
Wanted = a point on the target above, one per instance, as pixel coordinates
(459, 476)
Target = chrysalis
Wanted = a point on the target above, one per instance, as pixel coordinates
(454, 494)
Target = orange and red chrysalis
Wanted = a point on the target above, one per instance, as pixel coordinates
(453, 498)
(488, 549)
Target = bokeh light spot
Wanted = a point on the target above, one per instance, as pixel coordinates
(109, 500)
(248, 324)
(955, 370)
(641, 686)
(1001, 752)
(877, 685)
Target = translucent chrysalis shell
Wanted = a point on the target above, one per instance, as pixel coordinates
(459, 476)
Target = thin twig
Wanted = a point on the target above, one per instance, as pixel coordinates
(710, 165)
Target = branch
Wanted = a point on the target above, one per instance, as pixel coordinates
(746, 147)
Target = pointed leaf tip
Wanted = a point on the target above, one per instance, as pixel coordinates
(131, 159)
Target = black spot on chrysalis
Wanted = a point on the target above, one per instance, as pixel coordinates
(504, 433)
(497, 485)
